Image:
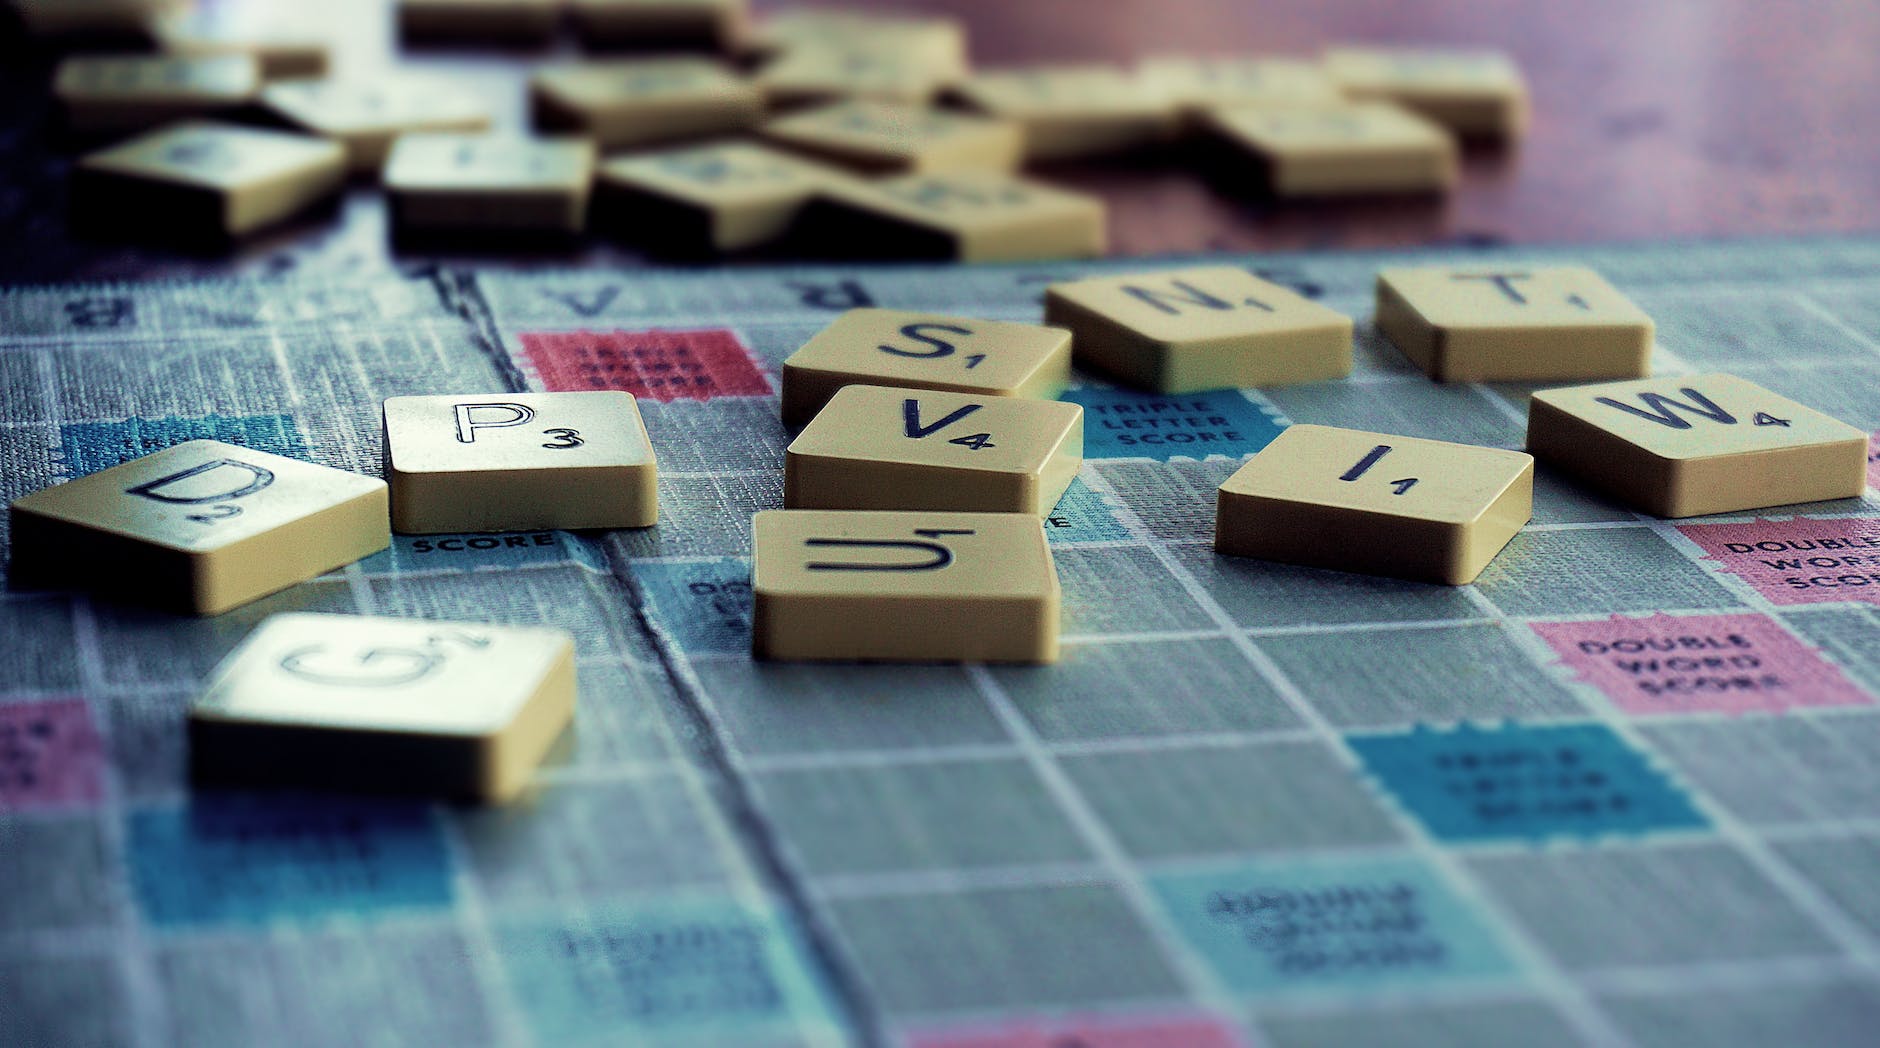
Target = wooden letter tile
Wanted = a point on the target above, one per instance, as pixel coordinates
(623, 104)
(207, 180)
(887, 137)
(500, 183)
(891, 347)
(1476, 94)
(519, 462)
(1490, 323)
(456, 710)
(1212, 327)
(1374, 503)
(1340, 150)
(200, 527)
(877, 447)
(367, 116)
(114, 94)
(1684, 445)
(903, 587)
(1074, 112)
(966, 216)
(705, 199)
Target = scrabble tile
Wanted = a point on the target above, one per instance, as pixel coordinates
(1498, 323)
(1685, 445)
(111, 94)
(1473, 93)
(934, 42)
(705, 199)
(500, 22)
(519, 462)
(831, 70)
(1194, 84)
(363, 703)
(967, 216)
(879, 447)
(121, 19)
(1074, 112)
(205, 179)
(1374, 503)
(891, 347)
(282, 45)
(490, 183)
(1339, 150)
(923, 586)
(717, 24)
(201, 527)
(366, 117)
(1211, 327)
(621, 104)
(889, 137)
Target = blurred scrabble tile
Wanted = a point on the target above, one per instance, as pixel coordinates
(640, 24)
(445, 183)
(1375, 503)
(111, 94)
(891, 347)
(833, 71)
(1490, 324)
(519, 462)
(1339, 150)
(1194, 84)
(878, 447)
(1074, 112)
(126, 20)
(922, 586)
(932, 42)
(1211, 327)
(499, 22)
(1685, 445)
(705, 199)
(888, 137)
(358, 703)
(367, 116)
(622, 104)
(206, 180)
(1473, 93)
(284, 44)
(200, 527)
(966, 216)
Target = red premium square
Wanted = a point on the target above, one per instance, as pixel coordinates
(657, 365)
(50, 755)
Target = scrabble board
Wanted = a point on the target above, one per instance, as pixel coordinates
(1619, 791)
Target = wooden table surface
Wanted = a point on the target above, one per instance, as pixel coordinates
(1653, 119)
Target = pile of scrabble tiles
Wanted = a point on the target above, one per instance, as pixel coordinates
(927, 450)
(833, 133)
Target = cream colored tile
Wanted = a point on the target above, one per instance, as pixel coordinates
(500, 22)
(208, 179)
(716, 24)
(368, 116)
(645, 101)
(283, 43)
(1212, 327)
(519, 462)
(1473, 93)
(888, 137)
(112, 94)
(1684, 445)
(496, 183)
(200, 527)
(723, 197)
(903, 587)
(1495, 323)
(878, 447)
(831, 71)
(1194, 84)
(361, 703)
(127, 19)
(907, 350)
(967, 216)
(1375, 503)
(932, 42)
(1074, 112)
(1340, 150)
